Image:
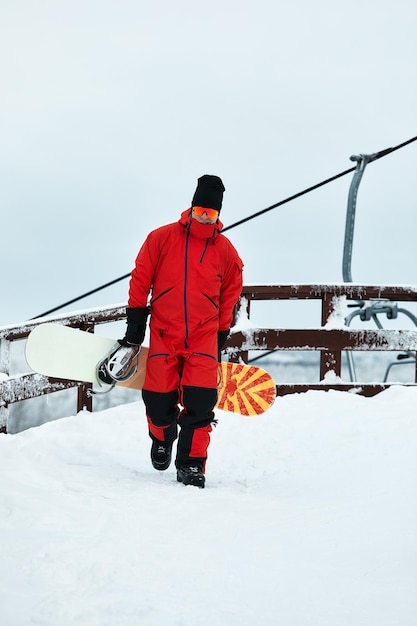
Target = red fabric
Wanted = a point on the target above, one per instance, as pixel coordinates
(163, 371)
(195, 276)
(200, 442)
(157, 431)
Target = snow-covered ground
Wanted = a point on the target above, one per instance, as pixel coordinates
(309, 517)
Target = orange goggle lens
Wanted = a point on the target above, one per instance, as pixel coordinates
(200, 210)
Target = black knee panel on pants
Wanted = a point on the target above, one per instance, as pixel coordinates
(161, 408)
(199, 403)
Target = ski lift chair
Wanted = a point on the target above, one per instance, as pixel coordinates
(368, 311)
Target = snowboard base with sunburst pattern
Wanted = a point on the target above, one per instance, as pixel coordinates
(245, 389)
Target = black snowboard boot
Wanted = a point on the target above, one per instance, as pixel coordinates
(161, 452)
(191, 475)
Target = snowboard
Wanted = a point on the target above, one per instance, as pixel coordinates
(62, 352)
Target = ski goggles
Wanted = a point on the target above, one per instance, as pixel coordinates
(211, 213)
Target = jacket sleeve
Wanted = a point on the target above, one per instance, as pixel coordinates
(142, 275)
(231, 290)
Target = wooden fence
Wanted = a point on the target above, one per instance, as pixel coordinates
(331, 341)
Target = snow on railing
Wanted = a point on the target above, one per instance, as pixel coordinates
(330, 339)
(31, 385)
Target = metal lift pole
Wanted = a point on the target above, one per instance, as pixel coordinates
(362, 161)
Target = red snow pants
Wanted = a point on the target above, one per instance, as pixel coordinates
(180, 390)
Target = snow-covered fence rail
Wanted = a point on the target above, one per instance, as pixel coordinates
(30, 385)
(331, 338)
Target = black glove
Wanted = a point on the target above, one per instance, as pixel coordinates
(136, 326)
(222, 336)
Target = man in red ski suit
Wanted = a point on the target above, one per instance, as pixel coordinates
(194, 276)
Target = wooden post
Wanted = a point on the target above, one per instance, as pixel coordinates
(4, 415)
(329, 361)
(84, 399)
(244, 302)
(4, 369)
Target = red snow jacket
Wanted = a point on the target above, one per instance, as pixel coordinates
(194, 274)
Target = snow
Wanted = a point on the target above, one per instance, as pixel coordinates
(339, 313)
(309, 517)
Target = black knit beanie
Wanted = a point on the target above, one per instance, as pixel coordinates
(209, 192)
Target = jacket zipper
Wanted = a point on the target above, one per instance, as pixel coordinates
(186, 276)
(185, 286)
(206, 245)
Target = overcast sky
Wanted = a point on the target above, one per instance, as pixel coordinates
(111, 110)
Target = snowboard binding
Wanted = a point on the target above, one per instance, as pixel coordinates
(117, 366)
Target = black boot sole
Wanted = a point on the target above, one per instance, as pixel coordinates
(161, 466)
(193, 481)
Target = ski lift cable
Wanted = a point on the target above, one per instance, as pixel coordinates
(371, 158)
